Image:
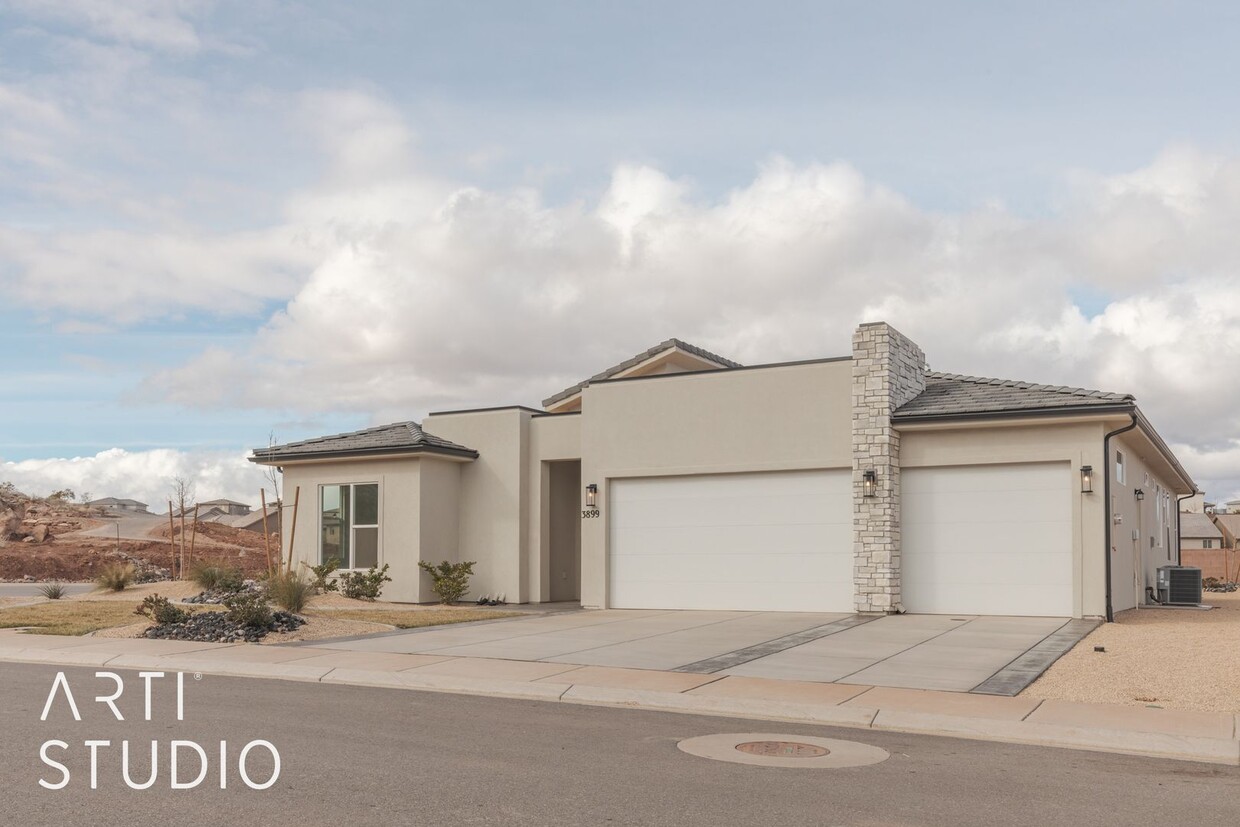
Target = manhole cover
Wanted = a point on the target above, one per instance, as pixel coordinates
(782, 749)
(774, 749)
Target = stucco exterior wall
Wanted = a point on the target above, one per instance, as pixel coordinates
(552, 438)
(399, 515)
(1077, 444)
(493, 497)
(1134, 562)
(439, 509)
(784, 417)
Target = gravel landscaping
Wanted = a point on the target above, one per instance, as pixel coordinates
(215, 627)
(1174, 658)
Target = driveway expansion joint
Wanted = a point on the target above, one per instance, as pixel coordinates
(728, 660)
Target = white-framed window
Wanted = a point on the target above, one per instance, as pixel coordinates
(1207, 544)
(1159, 516)
(1119, 467)
(349, 524)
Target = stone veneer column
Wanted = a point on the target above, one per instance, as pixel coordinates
(888, 370)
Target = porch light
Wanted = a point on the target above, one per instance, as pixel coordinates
(591, 495)
(869, 483)
(1087, 479)
(1139, 493)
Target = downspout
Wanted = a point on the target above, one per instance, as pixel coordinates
(1106, 493)
(1179, 544)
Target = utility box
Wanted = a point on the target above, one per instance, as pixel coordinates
(1179, 585)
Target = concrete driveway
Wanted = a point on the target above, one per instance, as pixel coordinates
(991, 655)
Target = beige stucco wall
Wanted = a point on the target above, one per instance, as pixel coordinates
(1077, 444)
(492, 497)
(399, 509)
(784, 417)
(1134, 563)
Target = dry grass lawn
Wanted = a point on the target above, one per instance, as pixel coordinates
(70, 617)
(1174, 658)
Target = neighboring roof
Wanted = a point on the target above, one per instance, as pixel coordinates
(1198, 526)
(952, 395)
(637, 360)
(1231, 521)
(115, 501)
(222, 502)
(397, 438)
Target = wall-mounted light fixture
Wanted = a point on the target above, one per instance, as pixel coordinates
(591, 495)
(1087, 479)
(1139, 494)
(869, 483)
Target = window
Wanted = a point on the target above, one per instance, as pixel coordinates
(349, 525)
(1158, 516)
(1119, 467)
(1207, 544)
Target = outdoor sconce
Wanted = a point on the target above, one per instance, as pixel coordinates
(869, 483)
(1087, 479)
(1139, 493)
(591, 495)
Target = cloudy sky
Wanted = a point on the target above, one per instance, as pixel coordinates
(220, 221)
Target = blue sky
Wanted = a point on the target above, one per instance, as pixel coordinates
(219, 220)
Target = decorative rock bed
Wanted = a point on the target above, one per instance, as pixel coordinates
(216, 596)
(215, 627)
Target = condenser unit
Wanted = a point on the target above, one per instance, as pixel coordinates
(1179, 585)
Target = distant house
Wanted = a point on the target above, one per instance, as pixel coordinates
(231, 508)
(1230, 507)
(119, 506)
(1202, 545)
(1199, 531)
(1229, 526)
(254, 520)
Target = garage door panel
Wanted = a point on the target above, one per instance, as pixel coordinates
(801, 509)
(779, 541)
(988, 539)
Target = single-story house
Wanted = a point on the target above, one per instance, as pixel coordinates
(229, 508)
(683, 480)
(119, 506)
(1199, 531)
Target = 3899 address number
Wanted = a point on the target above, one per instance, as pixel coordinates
(589, 513)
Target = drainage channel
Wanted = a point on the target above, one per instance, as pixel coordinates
(770, 647)
(764, 749)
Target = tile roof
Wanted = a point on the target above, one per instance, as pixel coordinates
(399, 437)
(637, 360)
(1231, 521)
(1198, 525)
(949, 394)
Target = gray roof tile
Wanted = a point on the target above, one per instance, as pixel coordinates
(399, 437)
(949, 394)
(1198, 525)
(637, 360)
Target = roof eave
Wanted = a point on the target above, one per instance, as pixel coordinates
(269, 458)
(1013, 413)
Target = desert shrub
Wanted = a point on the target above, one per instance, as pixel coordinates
(249, 609)
(52, 591)
(322, 582)
(289, 590)
(115, 576)
(214, 575)
(161, 610)
(364, 585)
(451, 580)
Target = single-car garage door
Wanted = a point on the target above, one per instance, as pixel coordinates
(988, 539)
(777, 541)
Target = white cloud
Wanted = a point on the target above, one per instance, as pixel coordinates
(141, 475)
(165, 25)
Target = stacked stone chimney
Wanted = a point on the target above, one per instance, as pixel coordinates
(888, 370)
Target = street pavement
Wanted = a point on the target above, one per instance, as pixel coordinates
(361, 756)
(32, 589)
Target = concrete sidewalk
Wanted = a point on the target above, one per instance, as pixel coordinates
(1163, 733)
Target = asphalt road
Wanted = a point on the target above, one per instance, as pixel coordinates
(32, 589)
(361, 756)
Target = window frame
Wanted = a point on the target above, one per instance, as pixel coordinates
(1121, 475)
(349, 565)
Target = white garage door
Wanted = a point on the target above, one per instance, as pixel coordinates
(779, 541)
(992, 539)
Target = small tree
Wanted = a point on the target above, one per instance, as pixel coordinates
(451, 580)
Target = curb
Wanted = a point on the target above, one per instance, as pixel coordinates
(1224, 751)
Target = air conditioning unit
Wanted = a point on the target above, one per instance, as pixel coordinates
(1179, 585)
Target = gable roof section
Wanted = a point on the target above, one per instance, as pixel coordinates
(950, 395)
(1229, 521)
(1198, 526)
(701, 353)
(397, 438)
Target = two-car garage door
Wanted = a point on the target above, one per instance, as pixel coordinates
(777, 541)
